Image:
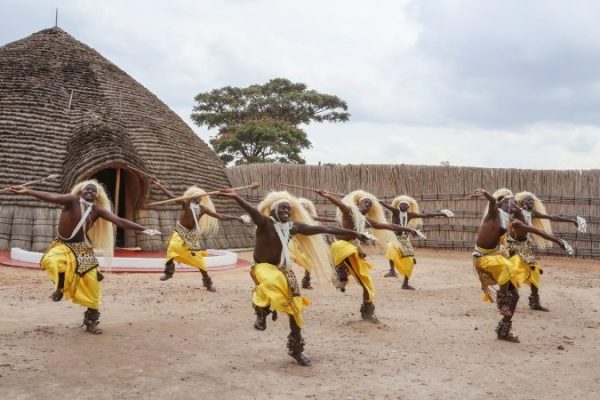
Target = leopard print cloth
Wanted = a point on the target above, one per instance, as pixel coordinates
(522, 249)
(292, 282)
(191, 237)
(86, 259)
(406, 246)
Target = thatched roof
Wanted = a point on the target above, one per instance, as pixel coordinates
(65, 109)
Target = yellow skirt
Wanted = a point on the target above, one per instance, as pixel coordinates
(272, 291)
(359, 268)
(404, 265)
(501, 269)
(84, 290)
(178, 251)
(526, 274)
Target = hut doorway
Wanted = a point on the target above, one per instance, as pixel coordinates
(126, 191)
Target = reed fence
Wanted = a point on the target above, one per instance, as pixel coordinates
(567, 193)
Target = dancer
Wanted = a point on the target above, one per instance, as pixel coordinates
(533, 214)
(197, 218)
(491, 263)
(85, 223)
(405, 212)
(360, 210)
(278, 218)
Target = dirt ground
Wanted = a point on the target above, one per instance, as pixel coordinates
(175, 340)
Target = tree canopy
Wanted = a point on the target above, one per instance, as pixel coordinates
(260, 123)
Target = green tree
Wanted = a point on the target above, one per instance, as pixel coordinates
(260, 123)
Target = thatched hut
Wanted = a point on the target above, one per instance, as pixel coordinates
(65, 109)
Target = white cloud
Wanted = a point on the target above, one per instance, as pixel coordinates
(426, 81)
(535, 146)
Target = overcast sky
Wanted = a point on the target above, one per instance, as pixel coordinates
(505, 83)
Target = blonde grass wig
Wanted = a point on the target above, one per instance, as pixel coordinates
(376, 214)
(208, 225)
(101, 232)
(308, 206)
(314, 247)
(542, 224)
(499, 195)
(413, 207)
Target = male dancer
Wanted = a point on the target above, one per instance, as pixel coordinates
(85, 223)
(533, 214)
(405, 212)
(360, 210)
(491, 263)
(278, 218)
(197, 218)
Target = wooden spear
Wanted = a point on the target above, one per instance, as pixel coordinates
(30, 182)
(131, 167)
(307, 188)
(254, 185)
(152, 177)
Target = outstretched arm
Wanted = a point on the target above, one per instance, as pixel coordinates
(391, 227)
(389, 207)
(334, 200)
(554, 218)
(56, 198)
(493, 204)
(305, 229)
(256, 216)
(214, 214)
(118, 221)
(426, 215)
(530, 229)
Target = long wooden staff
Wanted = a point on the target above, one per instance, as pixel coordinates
(154, 179)
(30, 182)
(254, 185)
(307, 188)
(131, 167)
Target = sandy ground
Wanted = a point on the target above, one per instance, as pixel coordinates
(175, 340)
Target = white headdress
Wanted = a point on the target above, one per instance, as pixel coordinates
(376, 214)
(542, 224)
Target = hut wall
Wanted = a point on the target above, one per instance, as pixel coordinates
(34, 228)
(566, 193)
(31, 228)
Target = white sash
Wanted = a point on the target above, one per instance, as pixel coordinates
(283, 232)
(81, 222)
(504, 218)
(195, 207)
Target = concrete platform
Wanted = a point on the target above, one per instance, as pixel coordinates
(129, 260)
